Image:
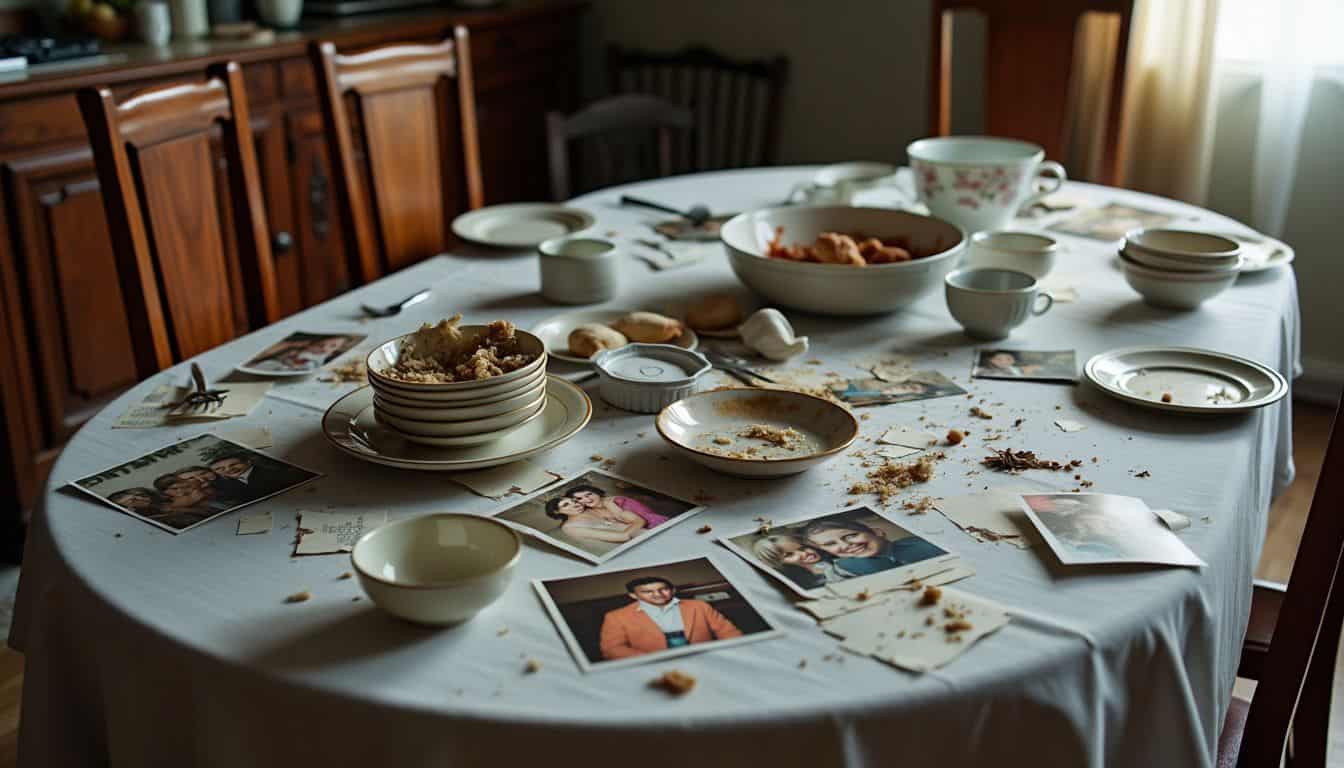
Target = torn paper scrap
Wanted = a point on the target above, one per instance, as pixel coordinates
(830, 607)
(323, 533)
(896, 451)
(1174, 520)
(254, 522)
(992, 516)
(1070, 426)
(252, 437)
(916, 633)
(522, 477)
(909, 438)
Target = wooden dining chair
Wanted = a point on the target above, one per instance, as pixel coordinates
(620, 138)
(1028, 65)
(172, 232)
(1291, 640)
(735, 103)
(395, 117)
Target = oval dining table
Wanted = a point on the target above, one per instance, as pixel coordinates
(144, 648)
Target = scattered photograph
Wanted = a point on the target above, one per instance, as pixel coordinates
(917, 385)
(597, 515)
(650, 613)
(189, 483)
(300, 353)
(1110, 222)
(812, 555)
(1028, 365)
(1093, 528)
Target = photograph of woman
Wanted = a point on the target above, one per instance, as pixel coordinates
(596, 514)
(300, 353)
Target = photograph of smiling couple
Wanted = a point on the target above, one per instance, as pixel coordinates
(811, 554)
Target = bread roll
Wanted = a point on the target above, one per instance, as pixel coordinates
(591, 338)
(648, 327)
(714, 313)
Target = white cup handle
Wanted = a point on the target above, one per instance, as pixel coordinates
(1049, 302)
(1055, 171)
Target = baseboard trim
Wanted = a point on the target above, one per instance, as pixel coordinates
(1320, 382)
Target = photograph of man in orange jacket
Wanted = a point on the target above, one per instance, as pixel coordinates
(658, 620)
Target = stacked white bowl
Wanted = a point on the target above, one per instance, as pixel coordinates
(1179, 268)
(458, 413)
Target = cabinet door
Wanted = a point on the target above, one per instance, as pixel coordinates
(318, 236)
(69, 302)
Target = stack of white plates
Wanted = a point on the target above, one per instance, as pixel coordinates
(1178, 268)
(459, 412)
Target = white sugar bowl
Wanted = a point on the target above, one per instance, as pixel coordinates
(646, 378)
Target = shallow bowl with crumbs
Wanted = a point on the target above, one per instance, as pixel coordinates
(757, 432)
(834, 289)
(387, 354)
(437, 569)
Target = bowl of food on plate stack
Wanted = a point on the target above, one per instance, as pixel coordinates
(450, 384)
(841, 260)
(1179, 268)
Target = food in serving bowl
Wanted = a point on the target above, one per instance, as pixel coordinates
(444, 353)
(848, 250)
(449, 357)
(839, 288)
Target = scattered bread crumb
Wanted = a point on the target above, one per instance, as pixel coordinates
(674, 681)
(955, 436)
(502, 631)
(1166, 397)
(957, 625)
(721, 440)
(802, 663)
(345, 576)
(980, 413)
(706, 528)
(931, 596)
(862, 596)
(299, 597)
(531, 667)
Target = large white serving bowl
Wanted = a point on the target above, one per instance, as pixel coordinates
(831, 289)
(694, 424)
(385, 357)
(413, 427)
(453, 398)
(437, 569)
(1175, 290)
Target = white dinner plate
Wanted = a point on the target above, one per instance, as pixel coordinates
(349, 425)
(1261, 252)
(554, 332)
(520, 225)
(1198, 380)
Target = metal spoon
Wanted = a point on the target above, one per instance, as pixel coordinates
(394, 309)
(734, 366)
(697, 215)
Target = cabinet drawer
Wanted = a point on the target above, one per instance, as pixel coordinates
(47, 120)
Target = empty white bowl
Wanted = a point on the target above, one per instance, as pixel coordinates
(1175, 290)
(1175, 264)
(415, 427)
(696, 426)
(833, 289)
(1182, 243)
(437, 569)
(385, 357)
(1027, 252)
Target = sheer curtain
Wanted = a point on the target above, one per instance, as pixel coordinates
(1179, 52)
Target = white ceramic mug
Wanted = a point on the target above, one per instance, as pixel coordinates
(990, 303)
(979, 182)
(1020, 251)
(838, 184)
(578, 270)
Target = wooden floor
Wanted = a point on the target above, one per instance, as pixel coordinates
(1311, 430)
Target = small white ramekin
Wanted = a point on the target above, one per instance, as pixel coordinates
(646, 378)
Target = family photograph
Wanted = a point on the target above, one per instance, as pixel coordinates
(183, 485)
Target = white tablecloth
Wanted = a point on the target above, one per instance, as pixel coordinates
(146, 649)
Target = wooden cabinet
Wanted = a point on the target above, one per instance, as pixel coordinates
(63, 330)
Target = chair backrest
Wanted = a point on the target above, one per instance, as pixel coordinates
(630, 137)
(1028, 65)
(173, 233)
(736, 104)
(394, 124)
(1303, 638)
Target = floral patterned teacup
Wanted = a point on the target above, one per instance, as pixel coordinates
(979, 182)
